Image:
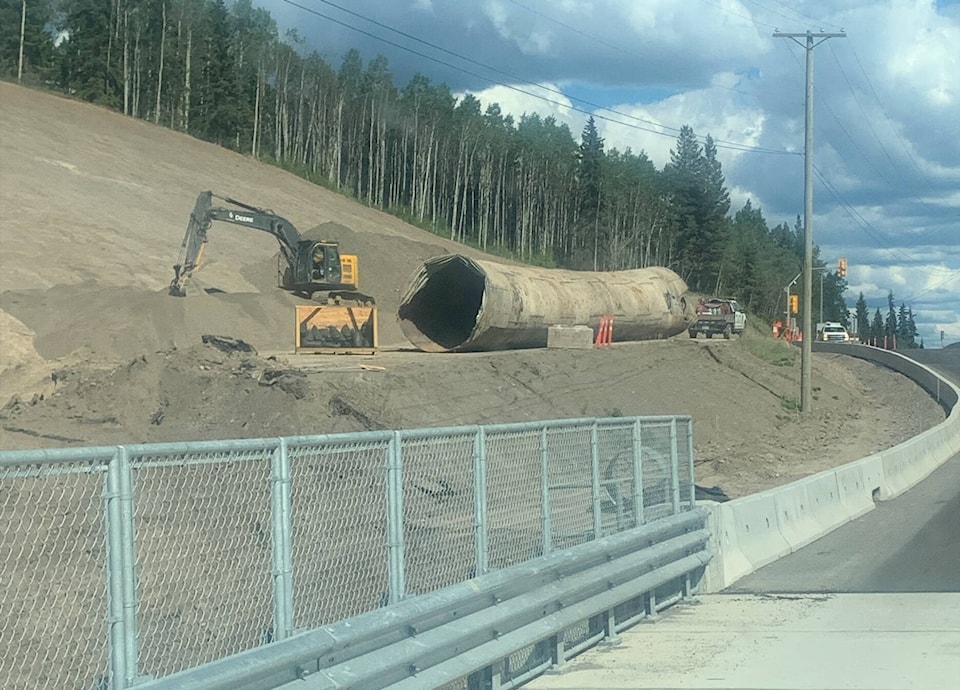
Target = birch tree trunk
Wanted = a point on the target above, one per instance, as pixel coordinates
(126, 62)
(255, 144)
(136, 73)
(23, 26)
(186, 80)
(163, 41)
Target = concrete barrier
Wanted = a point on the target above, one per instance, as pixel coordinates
(752, 531)
(859, 482)
(795, 519)
(729, 563)
(910, 462)
(758, 530)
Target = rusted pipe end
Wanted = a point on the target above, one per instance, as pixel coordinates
(439, 311)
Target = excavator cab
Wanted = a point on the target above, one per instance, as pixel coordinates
(319, 263)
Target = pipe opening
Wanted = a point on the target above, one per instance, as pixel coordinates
(445, 307)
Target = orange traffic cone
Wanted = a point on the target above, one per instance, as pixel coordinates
(604, 332)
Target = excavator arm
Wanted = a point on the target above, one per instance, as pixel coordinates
(203, 215)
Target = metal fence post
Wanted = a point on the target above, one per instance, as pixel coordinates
(545, 510)
(637, 473)
(693, 486)
(283, 619)
(115, 619)
(395, 558)
(675, 465)
(595, 481)
(129, 573)
(482, 556)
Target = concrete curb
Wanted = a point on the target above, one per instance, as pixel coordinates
(755, 530)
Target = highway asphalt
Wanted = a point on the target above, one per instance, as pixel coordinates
(908, 544)
(875, 604)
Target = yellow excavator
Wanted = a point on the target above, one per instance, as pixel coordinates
(311, 266)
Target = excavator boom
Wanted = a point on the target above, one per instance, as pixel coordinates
(311, 266)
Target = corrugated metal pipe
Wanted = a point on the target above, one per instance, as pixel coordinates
(457, 304)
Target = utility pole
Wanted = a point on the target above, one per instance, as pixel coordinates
(806, 349)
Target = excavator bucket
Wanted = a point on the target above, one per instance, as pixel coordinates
(336, 330)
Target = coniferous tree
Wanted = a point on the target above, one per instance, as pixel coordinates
(834, 306)
(877, 328)
(911, 329)
(862, 319)
(903, 327)
(698, 204)
(717, 200)
(590, 186)
(30, 58)
(217, 112)
(890, 327)
(85, 67)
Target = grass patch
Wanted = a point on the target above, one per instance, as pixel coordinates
(789, 403)
(775, 352)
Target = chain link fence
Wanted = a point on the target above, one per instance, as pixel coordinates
(119, 564)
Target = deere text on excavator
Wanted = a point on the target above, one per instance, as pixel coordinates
(312, 266)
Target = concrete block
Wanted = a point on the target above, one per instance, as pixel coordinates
(728, 563)
(757, 529)
(797, 526)
(910, 462)
(570, 337)
(826, 505)
(857, 481)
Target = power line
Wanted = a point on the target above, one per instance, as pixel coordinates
(895, 130)
(574, 29)
(863, 112)
(795, 13)
(510, 76)
(774, 12)
(876, 233)
(883, 110)
(750, 19)
(605, 42)
(866, 226)
(671, 131)
(953, 276)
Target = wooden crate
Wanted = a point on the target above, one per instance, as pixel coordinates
(336, 330)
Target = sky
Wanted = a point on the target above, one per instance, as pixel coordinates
(886, 134)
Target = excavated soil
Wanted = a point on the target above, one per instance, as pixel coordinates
(94, 351)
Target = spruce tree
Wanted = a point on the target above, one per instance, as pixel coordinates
(862, 318)
(877, 327)
(84, 67)
(590, 186)
(891, 324)
(37, 40)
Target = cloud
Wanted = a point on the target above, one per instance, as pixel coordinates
(886, 131)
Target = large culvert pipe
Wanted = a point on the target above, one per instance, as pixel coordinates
(457, 304)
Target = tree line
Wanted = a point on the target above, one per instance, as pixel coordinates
(898, 329)
(525, 187)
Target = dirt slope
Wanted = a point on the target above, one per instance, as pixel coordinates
(93, 351)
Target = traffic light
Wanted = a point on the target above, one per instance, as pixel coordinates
(794, 304)
(842, 268)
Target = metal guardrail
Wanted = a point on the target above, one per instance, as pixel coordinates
(124, 563)
(471, 630)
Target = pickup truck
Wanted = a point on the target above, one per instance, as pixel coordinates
(832, 332)
(720, 316)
